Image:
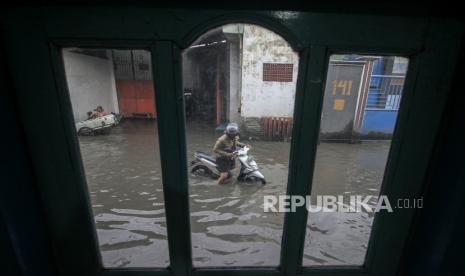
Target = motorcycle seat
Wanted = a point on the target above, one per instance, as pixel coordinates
(207, 156)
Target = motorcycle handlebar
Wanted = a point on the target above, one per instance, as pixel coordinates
(236, 152)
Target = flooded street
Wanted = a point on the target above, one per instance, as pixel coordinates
(228, 225)
(124, 179)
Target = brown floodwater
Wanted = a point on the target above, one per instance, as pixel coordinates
(228, 225)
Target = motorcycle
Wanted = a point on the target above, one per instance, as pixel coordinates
(96, 125)
(205, 165)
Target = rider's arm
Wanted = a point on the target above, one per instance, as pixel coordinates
(218, 149)
(239, 144)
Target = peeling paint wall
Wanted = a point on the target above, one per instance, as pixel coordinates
(263, 98)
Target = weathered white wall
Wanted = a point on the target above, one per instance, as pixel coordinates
(91, 82)
(259, 98)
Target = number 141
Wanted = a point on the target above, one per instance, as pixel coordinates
(346, 86)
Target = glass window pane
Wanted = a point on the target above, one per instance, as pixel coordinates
(113, 103)
(361, 102)
(241, 74)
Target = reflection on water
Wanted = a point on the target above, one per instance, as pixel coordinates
(344, 169)
(229, 227)
(124, 179)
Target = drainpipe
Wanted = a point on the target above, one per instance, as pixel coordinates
(239, 92)
(218, 93)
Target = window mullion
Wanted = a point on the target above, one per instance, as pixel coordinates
(167, 70)
(310, 89)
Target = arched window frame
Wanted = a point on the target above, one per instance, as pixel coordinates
(33, 46)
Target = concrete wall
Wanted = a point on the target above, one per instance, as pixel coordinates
(190, 74)
(259, 98)
(234, 78)
(341, 100)
(91, 82)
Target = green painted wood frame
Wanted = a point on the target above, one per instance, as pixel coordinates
(33, 39)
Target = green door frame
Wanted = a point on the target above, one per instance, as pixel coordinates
(33, 39)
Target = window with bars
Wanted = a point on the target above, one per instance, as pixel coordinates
(278, 72)
(132, 65)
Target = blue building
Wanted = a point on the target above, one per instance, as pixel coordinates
(384, 97)
(378, 100)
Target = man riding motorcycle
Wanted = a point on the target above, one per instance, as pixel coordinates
(225, 147)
